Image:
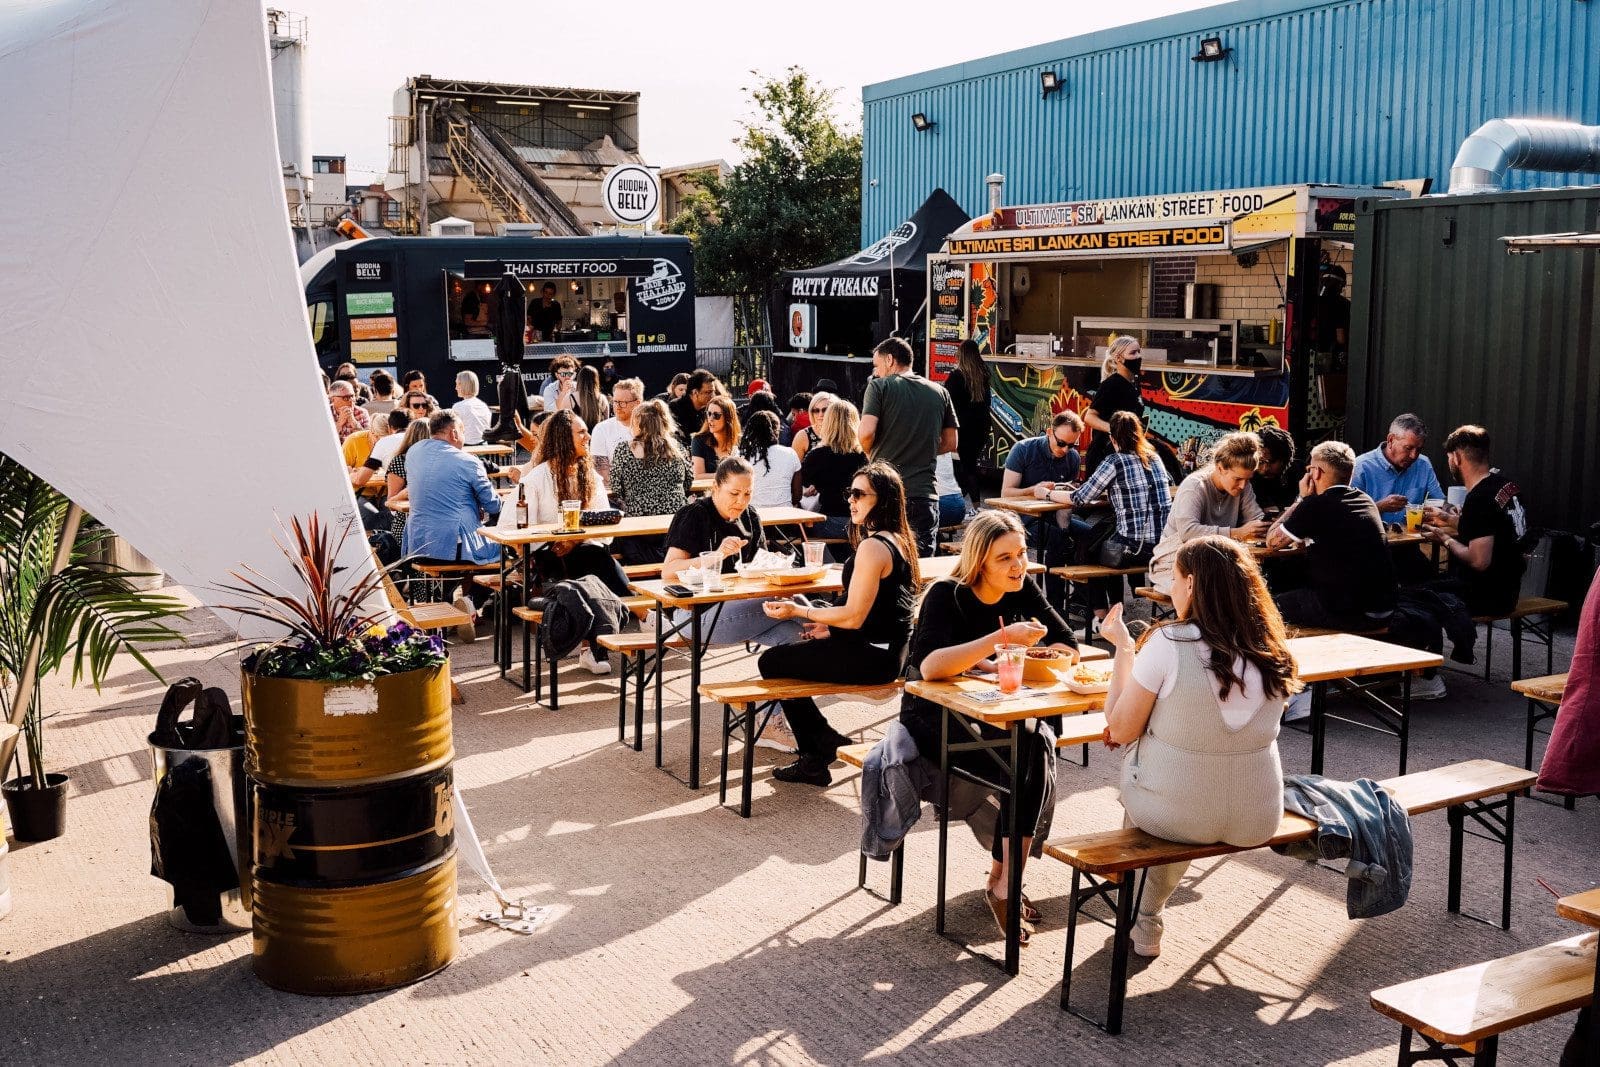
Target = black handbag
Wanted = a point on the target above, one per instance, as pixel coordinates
(606, 517)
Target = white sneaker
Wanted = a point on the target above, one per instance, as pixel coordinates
(467, 632)
(1427, 688)
(1146, 936)
(1299, 707)
(777, 736)
(587, 660)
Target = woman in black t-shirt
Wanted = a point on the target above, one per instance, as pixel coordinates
(1119, 391)
(725, 522)
(990, 600)
(861, 641)
(718, 440)
(829, 467)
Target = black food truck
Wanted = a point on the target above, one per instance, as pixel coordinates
(422, 303)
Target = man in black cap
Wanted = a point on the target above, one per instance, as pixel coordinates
(1333, 311)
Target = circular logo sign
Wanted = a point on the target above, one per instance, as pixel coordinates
(632, 194)
(662, 288)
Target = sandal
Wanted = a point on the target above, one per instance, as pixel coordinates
(1030, 914)
(997, 908)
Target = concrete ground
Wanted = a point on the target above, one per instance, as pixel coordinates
(683, 934)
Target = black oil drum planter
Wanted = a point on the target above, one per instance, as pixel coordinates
(354, 866)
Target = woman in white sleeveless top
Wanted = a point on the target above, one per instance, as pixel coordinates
(1198, 702)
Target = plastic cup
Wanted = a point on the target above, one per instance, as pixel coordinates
(813, 552)
(1457, 495)
(571, 511)
(1008, 665)
(1413, 517)
(711, 571)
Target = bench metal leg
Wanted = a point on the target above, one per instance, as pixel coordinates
(1485, 1054)
(1319, 724)
(1488, 648)
(1086, 887)
(660, 673)
(897, 869)
(732, 720)
(1405, 718)
(638, 706)
(528, 673)
(1496, 827)
(622, 698)
(727, 732)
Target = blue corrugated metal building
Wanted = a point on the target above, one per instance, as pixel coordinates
(1341, 91)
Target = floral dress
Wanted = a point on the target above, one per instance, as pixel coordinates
(658, 489)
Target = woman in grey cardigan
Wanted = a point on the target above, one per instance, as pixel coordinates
(1198, 701)
(1216, 499)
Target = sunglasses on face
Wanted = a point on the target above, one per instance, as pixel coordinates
(717, 415)
(1059, 443)
(819, 411)
(854, 494)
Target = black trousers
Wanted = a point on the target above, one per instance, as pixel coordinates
(1304, 607)
(924, 729)
(847, 660)
(922, 515)
(584, 559)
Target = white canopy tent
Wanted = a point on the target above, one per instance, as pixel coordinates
(155, 361)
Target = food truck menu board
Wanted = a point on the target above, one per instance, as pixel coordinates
(369, 309)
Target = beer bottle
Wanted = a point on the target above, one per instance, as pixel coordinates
(522, 506)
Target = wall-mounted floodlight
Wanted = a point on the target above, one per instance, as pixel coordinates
(922, 123)
(1211, 50)
(1049, 82)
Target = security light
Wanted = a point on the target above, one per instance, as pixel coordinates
(921, 122)
(1049, 82)
(1211, 50)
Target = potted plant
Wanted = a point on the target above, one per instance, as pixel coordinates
(59, 601)
(348, 748)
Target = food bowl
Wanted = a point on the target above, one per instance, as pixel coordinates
(1039, 665)
(797, 575)
(1088, 678)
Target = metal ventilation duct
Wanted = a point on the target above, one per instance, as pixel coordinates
(1500, 145)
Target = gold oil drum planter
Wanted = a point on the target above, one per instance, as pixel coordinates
(354, 871)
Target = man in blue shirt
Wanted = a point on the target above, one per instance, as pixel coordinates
(1033, 468)
(1396, 473)
(449, 493)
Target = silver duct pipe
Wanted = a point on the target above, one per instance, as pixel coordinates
(1500, 145)
(997, 185)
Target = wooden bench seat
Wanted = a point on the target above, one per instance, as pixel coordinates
(741, 701)
(1319, 631)
(424, 617)
(445, 570)
(1465, 1010)
(1544, 696)
(1524, 619)
(1483, 790)
(533, 650)
(636, 651)
(636, 571)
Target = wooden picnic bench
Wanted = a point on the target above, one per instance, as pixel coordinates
(637, 652)
(1533, 616)
(1103, 864)
(424, 617)
(1082, 730)
(1544, 702)
(533, 650)
(1465, 1010)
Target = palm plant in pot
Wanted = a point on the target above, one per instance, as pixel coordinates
(59, 602)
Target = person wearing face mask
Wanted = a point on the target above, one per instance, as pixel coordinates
(1119, 391)
(1216, 499)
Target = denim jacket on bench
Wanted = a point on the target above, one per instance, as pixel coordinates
(1359, 821)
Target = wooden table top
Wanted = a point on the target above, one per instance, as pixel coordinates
(635, 526)
(957, 695)
(1581, 908)
(488, 450)
(702, 485)
(1550, 688)
(1025, 505)
(1351, 656)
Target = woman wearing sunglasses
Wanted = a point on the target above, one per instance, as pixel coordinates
(719, 439)
(811, 435)
(861, 641)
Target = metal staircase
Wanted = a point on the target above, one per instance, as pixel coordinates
(507, 186)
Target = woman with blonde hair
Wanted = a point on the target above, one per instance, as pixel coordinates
(988, 601)
(719, 439)
(1198, 701)
(830, 466)
(1118, 391)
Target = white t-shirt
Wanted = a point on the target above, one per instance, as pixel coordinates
(475, 419)
(774, 481)
(944, 475)
(383, 450)
(606, 436)
(1156, 669)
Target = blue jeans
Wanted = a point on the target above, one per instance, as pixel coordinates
(952, 509)
(742, 621)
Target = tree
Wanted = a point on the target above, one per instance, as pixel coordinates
(795, 200)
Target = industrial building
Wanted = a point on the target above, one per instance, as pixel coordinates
(1245, 94)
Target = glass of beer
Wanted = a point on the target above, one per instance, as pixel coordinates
(1413, 517)
(571, 511)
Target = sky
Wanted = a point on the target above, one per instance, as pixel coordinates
(690, 61)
